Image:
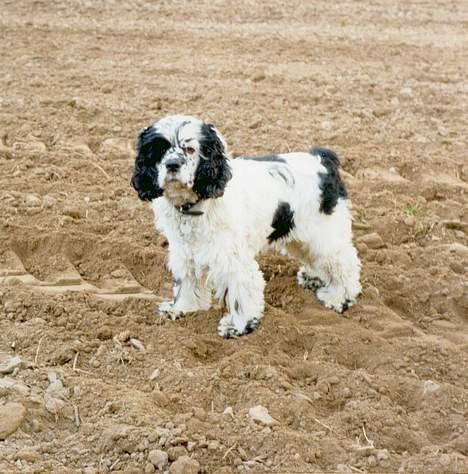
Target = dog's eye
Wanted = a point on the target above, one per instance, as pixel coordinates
(189, 150)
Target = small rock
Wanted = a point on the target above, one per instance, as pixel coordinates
(149, 468)
(11, 416)
(457, 267)
(458, 249)
(9, 363)
(119, 273)
(326, 125)
(185, 465)
(228, 414)
(407, 92)
(214, 445)
(430, 387)
(257, 77)
(176, 452)
(136, 344)
(122, 337)
(260, 414)
(160, 398)
(8, 385)
(333, 380)
(410, 221)
(28, 455)
(73, 212)
(155, 374)
(362, 248)
(158, 458)
(255, 123)
(382, 454)
(49, 202)
(32, 201)
(373, 241)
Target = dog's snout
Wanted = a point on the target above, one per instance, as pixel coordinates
(174, 164)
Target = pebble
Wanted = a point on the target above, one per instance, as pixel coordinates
(137, 344)
(158, 458)
(119, 273)
(8, 385)
(457, 267)
(149, 468)
(410, 221)
(260, 414)
(259, 76)
(458, 249)
(155, 374)
(407, 92)
(73, 212)
(382, 454)
(49, 202)
(28, 455)
(9, 363)
(430, 387)
(176, 452)
(228, 414)
(30, 200)
(11, 416)
(185, 465)
(373, 241)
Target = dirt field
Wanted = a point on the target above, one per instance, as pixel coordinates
(92, 381)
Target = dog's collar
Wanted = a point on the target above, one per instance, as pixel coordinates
(188, 210)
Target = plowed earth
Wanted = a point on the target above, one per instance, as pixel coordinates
(102, 382)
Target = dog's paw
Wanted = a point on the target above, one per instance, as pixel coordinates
(228, 328)
(308, 281)
(333, 298)
(166, 310)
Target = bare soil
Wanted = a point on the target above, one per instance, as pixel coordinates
(101, 381)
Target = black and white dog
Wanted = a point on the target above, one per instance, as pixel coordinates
(218, 214)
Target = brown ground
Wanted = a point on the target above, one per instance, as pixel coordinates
(382, 388)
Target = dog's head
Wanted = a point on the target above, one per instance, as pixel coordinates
(183, 158)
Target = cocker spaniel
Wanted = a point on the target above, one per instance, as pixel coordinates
(218, 213)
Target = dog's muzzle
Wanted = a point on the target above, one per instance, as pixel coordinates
(174, 164)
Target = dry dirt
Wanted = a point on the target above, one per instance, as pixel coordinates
(100, 382)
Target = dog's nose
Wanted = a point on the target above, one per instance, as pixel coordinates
(173, 165)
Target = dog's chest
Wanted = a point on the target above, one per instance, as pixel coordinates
(197, 240)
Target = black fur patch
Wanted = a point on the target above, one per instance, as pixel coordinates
(283, 222)
(213, 171)
(150, 149)
(268, 158)
(331, 185)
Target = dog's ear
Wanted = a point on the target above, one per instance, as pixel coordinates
(150, 149)
(213, 171)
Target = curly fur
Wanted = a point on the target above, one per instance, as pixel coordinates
(218, 214)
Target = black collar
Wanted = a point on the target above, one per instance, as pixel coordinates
(187, 209)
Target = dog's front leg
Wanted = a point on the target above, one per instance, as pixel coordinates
(188, 296)
(189, 293)
(243, 295)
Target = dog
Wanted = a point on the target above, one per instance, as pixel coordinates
(218, 213)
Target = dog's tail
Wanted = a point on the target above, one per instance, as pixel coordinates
(331, 184)
(326, 155)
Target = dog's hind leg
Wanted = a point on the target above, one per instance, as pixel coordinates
(331, 264)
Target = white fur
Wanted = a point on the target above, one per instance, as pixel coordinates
(215, 252)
